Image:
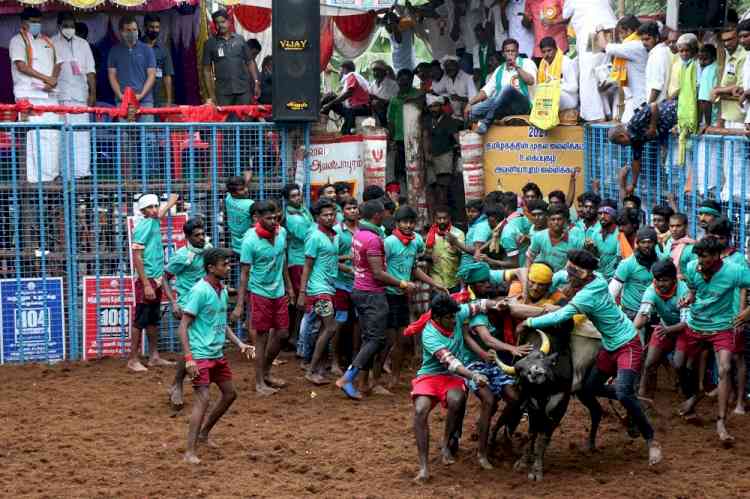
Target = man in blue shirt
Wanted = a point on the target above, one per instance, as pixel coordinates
(132, 64)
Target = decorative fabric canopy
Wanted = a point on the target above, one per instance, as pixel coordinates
(14, 7)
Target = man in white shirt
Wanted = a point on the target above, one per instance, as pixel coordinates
(586, 17)
(566, 72)
(35, 70)
(659, 65)
(514, 10)
(76, 85)
(635, 55)
(383, 88)
(507, 92)
(455, 84)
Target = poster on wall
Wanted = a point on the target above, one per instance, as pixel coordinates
(32, 314)
(334, 160)
(516, 155)
(106, 316)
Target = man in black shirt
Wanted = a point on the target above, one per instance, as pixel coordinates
(226, 65)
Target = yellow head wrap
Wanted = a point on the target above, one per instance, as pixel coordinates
(540, 273)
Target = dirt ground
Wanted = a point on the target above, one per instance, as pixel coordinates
(95, 430)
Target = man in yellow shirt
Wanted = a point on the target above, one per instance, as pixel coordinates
(731, 110)
(445, 257)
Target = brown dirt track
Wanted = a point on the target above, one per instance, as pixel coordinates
(94, 430)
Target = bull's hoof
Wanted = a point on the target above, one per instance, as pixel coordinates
(520, 465)
(535, 476)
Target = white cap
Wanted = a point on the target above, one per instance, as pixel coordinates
(434, 99)
(450, 58)
(147, 200)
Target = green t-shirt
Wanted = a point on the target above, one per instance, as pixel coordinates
(147, 234)
(509, 238)
(668, 311)
(635, 279)
(713, 309)
(344, 280)
(588, 231)
(187, 267)
(238, 219)
(479, 232)
(595, 302)
(339, 214)
(266, 262)
(737, 258)
(298, 224)
(395, 113)
(207, 332)
(325, 252)
(608, 246)
(433, 341)
(400, 259)
(555, 255)
(476, 321)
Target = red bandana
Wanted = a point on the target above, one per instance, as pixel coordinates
(266, 234)
(405, 240)
(434, 232)
(417, 326)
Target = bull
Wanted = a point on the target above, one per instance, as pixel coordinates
(547, 381)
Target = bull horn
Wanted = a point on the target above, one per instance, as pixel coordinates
(510, 371)
(544, 348)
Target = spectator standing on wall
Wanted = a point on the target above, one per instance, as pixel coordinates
(266, 81)
(545, 19)
(629, 67)
(658, 65)
(163, 87)
(383, 88)
(131, 63)
(731, 115)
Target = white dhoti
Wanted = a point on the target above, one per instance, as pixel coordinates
(592, 104)
(568, 100)
(79, 161)
(43, 145)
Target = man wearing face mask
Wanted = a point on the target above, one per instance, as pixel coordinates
(35, 70)
(76, 85)
(163, 90)
(131, 63)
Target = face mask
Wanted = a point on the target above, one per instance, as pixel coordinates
(152, 35)
(35, 28)
(130, 37)
(68, 33)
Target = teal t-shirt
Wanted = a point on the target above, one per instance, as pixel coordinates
(148, 235)
(325, 251)
(713, 309)
(595, 302)
(669, 310)
(266, 262)
(187, 267)
(509, 238)
(434, 341)
(588, 231)
(608, 246)
(344, 280)
(207, 332)
(479, 232)
(238, 219)
(479, 320)
(555, 255)
(737, 258)
(298, 224)
(635, 279)
(400, 259)
(339, 214)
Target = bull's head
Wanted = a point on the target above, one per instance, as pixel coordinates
(536, 367)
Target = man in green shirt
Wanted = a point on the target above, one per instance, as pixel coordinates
(712, 319)
(317, 285)
(203, 330)
(621, 351)
(148, 270)
(479, 233)
(588, 213)
(238, 205)
(633, 275)
(552, 244)
(605, 242)
(395, 115)
(344, 282)
(186, 268)
(265, 280)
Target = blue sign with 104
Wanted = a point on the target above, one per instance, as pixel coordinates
(33, 320)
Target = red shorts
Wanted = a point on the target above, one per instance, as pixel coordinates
(666, 344)
(140, 298)
(212, 371)
(342, 301)
(322, 305)
(691, 341)
(436, 386)
(629, 356)
(739, 340)
(269, 313)
(295, 275)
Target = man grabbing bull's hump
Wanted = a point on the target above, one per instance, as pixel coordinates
(621, 351)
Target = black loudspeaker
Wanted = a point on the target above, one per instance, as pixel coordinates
(296, 60)
(696, 15)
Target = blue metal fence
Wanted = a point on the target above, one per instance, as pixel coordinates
(65, 286)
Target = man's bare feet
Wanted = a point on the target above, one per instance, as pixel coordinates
(265, 390)
(654, 453)
(305, 366)
(688, 407)
(175, 397)
(276, 382)
(204, 440)
(713, 393)
(381, 390)
(316, 379)
(447, 456)
(191, 458)
(336, 371)
(159, 362)
(423, 476)
(724, 437)
(485, 463)
(739, 410)
(136, 366)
